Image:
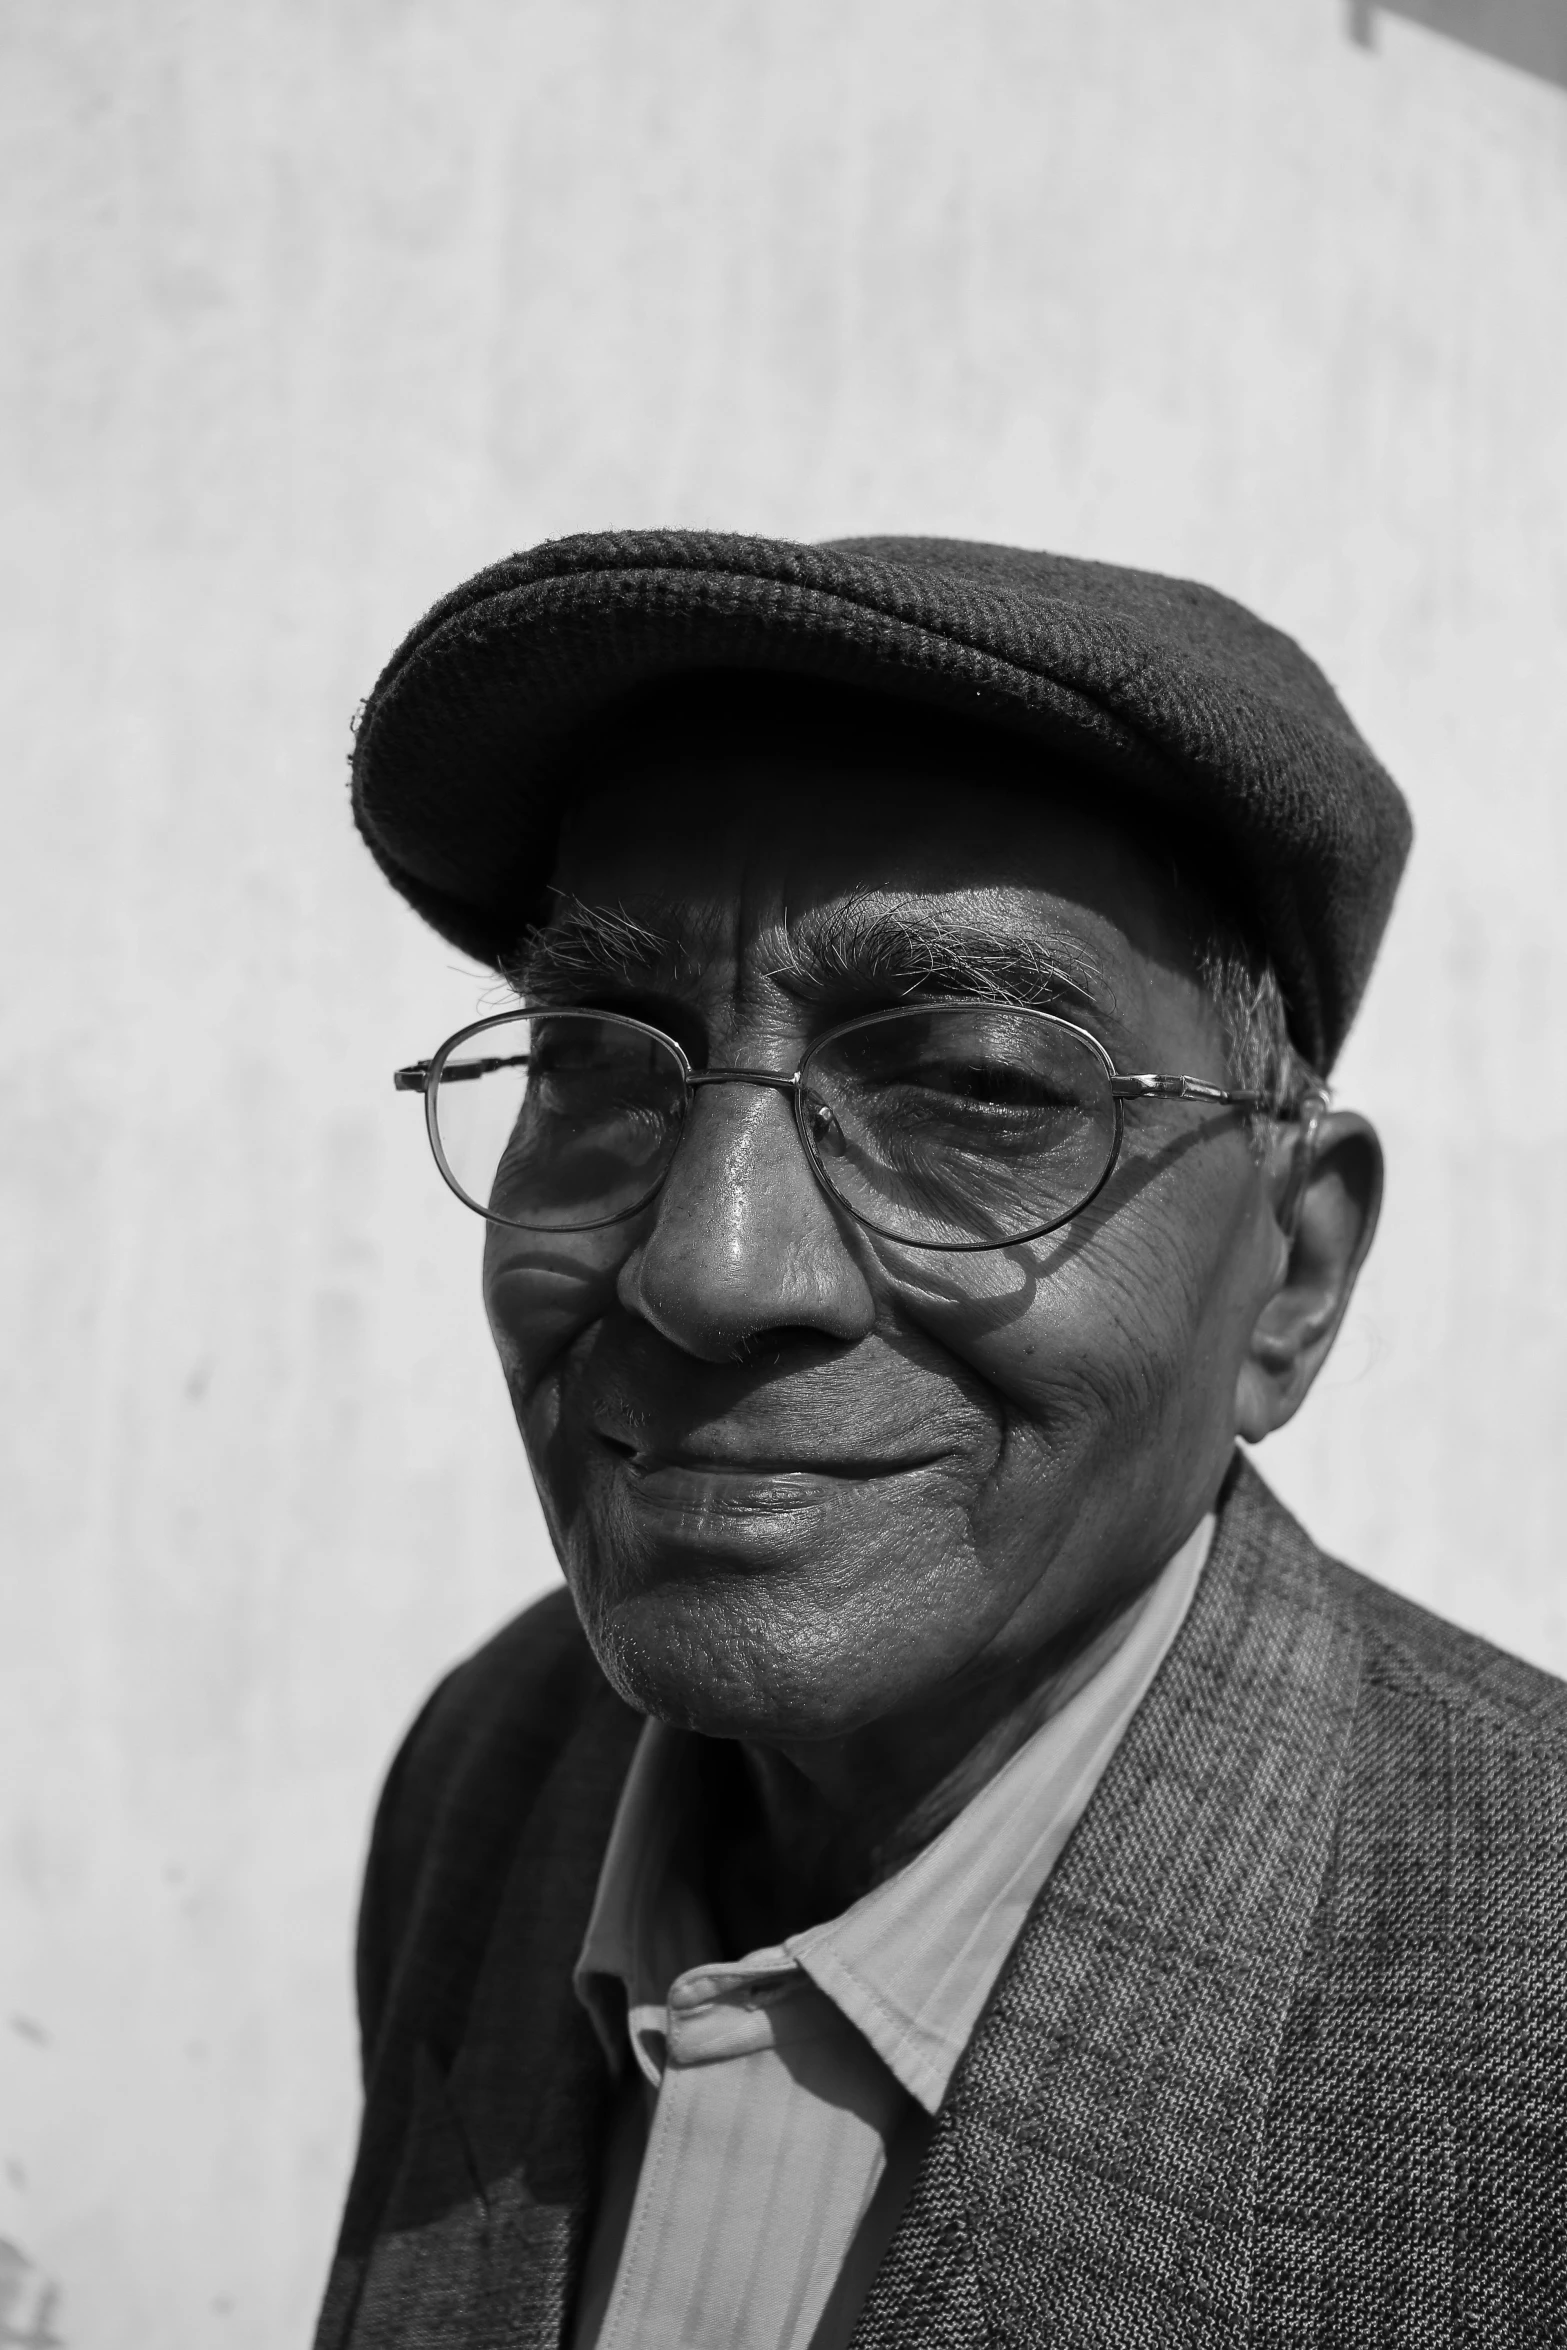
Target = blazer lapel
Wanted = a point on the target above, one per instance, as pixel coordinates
(1091, 2176)
(480, 2243)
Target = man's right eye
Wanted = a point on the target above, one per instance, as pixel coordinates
(574, 1060)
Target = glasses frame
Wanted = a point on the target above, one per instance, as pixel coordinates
(426, 1077)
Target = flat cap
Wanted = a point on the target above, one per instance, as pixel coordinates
(462, 753)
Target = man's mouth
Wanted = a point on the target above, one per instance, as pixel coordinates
(692, 1479)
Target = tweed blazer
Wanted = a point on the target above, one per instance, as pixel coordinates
(1280, 2056)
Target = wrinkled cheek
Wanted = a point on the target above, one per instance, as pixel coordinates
(545, 1295)
(1083, 1340)
(541, 1292)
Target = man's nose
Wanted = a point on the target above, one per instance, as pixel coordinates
(743, 1241)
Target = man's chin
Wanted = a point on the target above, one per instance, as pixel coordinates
(712, 1654)
(760, 1603)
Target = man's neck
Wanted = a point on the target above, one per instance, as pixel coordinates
(802, 1833)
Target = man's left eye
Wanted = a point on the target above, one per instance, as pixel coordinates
(984, 1083)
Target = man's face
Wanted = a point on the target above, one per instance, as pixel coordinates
(803, 1479)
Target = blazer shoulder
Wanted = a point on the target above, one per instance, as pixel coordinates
(1428, 2014)
(515, 1699)
(1420, 1656)
(459, 1794)
(1408, 1652)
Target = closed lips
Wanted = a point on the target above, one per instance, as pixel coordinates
(649, 1463)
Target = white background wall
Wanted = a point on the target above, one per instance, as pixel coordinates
(310, 307)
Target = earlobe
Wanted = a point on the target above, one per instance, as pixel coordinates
(1327, 1198)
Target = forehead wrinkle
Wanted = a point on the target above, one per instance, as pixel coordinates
(910, 943)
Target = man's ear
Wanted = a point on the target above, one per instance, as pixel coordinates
(1327, 1194)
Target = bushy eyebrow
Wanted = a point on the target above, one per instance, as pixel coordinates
(582, 944)
(908, 946)
(912, 945)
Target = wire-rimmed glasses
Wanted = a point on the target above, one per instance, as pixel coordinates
(942, 1125)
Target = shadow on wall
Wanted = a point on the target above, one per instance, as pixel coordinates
(1530, 34)
(30, 2300)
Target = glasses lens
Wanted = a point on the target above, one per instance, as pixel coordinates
(959, 1126)
(559, 1120)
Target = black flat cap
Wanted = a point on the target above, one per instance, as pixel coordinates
(462, 753)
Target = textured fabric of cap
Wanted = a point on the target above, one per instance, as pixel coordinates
(461, 757)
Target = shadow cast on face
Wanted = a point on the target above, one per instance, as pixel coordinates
(1034, 1261)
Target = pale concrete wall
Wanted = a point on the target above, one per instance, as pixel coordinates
(311, 308)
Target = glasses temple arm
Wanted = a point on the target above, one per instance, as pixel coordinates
(1310, 1110)
(416, 1077)
(1182, 1089)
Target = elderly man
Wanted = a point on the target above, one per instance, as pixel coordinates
(955, 1865)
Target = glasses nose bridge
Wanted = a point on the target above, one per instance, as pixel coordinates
(740, 1075)
(774, 1080)
(743, 1076)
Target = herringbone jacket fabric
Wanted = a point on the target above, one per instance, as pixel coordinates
(1280, 2056)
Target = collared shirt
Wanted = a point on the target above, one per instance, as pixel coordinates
(773, 2109)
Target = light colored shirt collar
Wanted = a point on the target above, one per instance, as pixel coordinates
(912, 1963)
